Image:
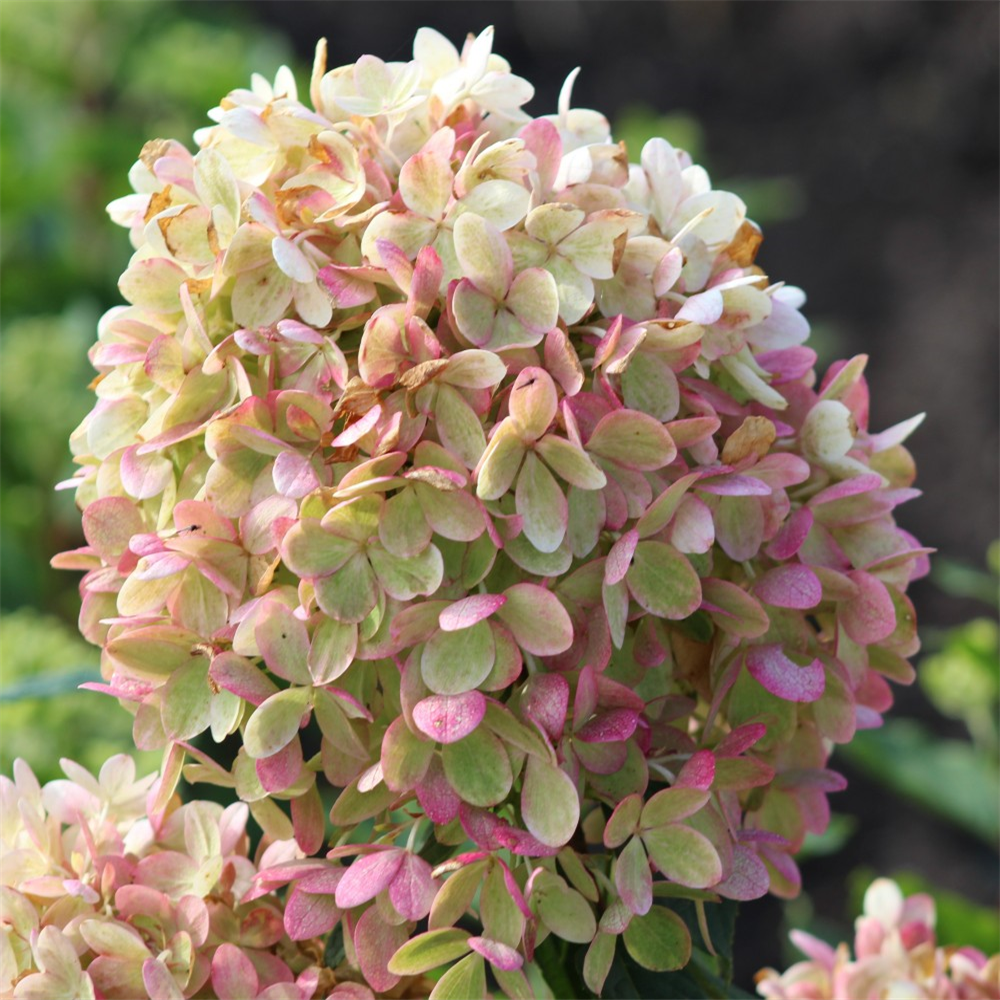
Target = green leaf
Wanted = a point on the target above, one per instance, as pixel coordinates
(628, 980)
(429, 950)
(464, 981)
(478, 768)
(663, 581)
(720, 921)
(659, 940)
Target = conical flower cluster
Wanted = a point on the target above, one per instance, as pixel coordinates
(467, 466)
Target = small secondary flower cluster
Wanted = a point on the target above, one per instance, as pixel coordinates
(462, 465)
(99, 899)
(896, 955)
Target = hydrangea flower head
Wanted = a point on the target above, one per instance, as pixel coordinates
(99, 899)
(895, 955)
(469, 468)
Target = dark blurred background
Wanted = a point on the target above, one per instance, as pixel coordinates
(864, 138)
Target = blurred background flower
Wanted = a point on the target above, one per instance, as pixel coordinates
(863, 137)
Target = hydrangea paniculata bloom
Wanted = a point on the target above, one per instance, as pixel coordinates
(895, 955)
(467, 464)
(110, 890)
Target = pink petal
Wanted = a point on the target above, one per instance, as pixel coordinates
(497, 953)
(159, 983)
(280, 770)
(792, 586)
(449, 718)
(620, 557)
(749, 878)
(233, 974)
(609, 727)
(413, 889)
(847, 488)
(469, 610)
(309, 914)
(734, 486)
(294, 475)
(242, 678)
(436, 796)
(778, 674)
(813, 948)
(740, 739)
(793, 533)
(375, 942)
(545, 701)
(358, 429)
(870, 615)
(698, 772)
(367, 877)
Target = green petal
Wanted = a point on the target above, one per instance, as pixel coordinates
(455, 662)
(350, 593)
(186, 701)
(403, 529)
(405, 578)
(429, 950)
(275, 722)
(684, 855)
(499, 463)
(549, 803)
(458, 426)
(310, 551)
(571, 463)
(538, 620)
(478, 768)
(542, 504)
(463, 981)
(663, 581)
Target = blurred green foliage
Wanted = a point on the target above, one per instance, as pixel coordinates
(962, 679)
(82, 725)
(84, 84)
(951, 778)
